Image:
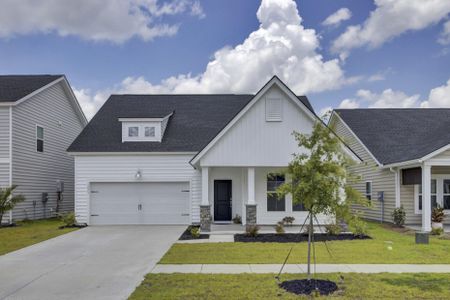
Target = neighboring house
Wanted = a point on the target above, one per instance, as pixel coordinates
(182, 159)
(401, 149)
(39, 118)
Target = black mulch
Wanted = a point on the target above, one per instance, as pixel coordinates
(306, 287)
(296, 237)
(187, 235)
(82, 225)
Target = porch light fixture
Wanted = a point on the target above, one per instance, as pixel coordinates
(138, 174)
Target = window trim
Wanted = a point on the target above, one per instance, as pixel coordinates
(371, 190)
(271, 192)
(38, 138)
(439, 193)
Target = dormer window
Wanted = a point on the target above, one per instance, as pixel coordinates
(143, 129)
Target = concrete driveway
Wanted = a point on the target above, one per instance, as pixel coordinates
(104, 262)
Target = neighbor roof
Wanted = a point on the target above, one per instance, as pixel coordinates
(15, 87)
(399, 135)
(196, 120)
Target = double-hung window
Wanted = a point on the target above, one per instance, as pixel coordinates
(275, 202)
(368, 192)
(433, 194)
(39, 139)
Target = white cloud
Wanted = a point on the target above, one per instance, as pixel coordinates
(280, 46)
(348, 103)
(112, 20)
(337, 17)
(444, 37)
(391, 18)
(438, 97)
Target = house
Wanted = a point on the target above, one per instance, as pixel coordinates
(406, 154)
(182, 159)
(39, 118)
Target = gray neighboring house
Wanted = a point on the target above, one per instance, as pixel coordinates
(401, 149)
(39, 118)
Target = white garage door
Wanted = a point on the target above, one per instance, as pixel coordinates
(139, 203)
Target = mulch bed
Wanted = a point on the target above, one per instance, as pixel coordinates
(306, 287)
(187, 235)
(74, 226)
(296, 237)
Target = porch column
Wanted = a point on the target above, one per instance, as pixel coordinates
(250, 207)
(205, 206)
(426, 198)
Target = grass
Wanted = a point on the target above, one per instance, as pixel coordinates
(28, 233)
(375, 251)
(264, 286)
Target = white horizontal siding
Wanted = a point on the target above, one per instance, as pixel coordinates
(382, 179)
(252, 141)
(4, 133)
(123, 168)
(35, 172)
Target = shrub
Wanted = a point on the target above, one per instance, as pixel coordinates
(359, 227)
(437, 231)
(332, 229)
(279, 228)
(237, 219)
(68, 219)
(252, 230)
(288, 220)
(399, 216)
(195, 232)
(8, 201)
(437, 215)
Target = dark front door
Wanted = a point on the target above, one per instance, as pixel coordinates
(222, 200)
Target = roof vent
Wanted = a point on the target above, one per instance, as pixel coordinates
(274, 110)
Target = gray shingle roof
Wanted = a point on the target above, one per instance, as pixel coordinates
(15, 87)
(196, 120)
(398, 135)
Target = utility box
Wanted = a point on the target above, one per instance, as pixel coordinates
(44, 198)
(380, 196)
(422, 237)
(59, 186)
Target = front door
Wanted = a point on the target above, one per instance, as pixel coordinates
(222, 200)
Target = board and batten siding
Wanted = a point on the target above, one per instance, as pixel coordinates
(4, 146)
(123, 168)
(382, 179)
(37, 172)
(253, 141)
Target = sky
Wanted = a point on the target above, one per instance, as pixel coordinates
(339, 53)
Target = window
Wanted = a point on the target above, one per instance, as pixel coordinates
(433, 194)
(149, 131)
(133, 131)
(274, 201)
(446, 194)
(39, 139)
(368, 190)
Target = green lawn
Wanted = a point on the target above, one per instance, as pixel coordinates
(264, 286)
(28, 233)
(404, 250)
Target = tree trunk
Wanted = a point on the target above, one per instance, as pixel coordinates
(310, 233)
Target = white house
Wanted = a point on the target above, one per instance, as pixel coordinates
(39, 118)
(182, 159)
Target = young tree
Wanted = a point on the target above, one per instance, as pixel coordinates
(8, 200)
(321, 179)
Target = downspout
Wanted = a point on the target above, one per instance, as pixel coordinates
(10, 157)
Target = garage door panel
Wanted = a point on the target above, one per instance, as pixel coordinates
(140, 203)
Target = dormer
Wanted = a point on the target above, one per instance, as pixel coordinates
(144, 129)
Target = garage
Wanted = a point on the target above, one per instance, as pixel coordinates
(139, 203)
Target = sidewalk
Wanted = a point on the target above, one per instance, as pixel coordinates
(300, 268)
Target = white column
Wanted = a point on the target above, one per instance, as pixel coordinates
(205, 186)
(251, 186)
(397, 188)
(426, 198)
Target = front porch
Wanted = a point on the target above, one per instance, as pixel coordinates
(247, 192)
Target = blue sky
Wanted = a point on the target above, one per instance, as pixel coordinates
(396, 56)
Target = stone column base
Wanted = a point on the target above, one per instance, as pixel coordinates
(205, 217)
(250, 212)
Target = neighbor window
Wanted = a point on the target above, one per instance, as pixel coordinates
(446, 194)
(433, 194)
(368, 190)
(274, 201)
(149, 131)
(39, 139)
(133, 131)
